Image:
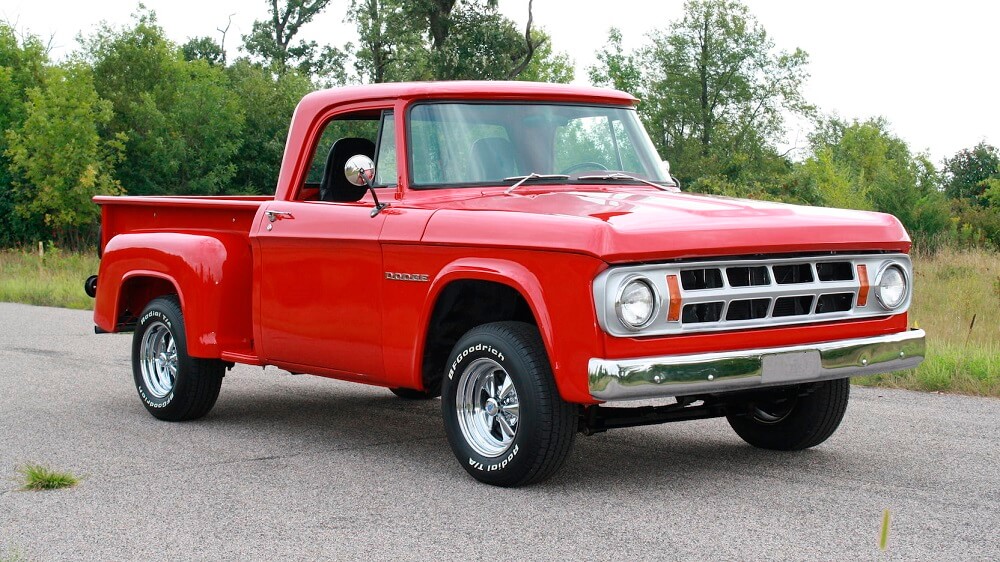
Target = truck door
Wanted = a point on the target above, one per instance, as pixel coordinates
(319, 308)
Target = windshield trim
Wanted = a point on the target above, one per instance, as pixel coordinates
(411, 184)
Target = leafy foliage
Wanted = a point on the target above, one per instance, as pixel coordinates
(615, 68)
(180, 119)
(718, 90)
(392, 46)
(971, 172)
(61, 160)
(134, 112)
(204, 48)
(272, 41)
(23, 63)
(862, 165)
(267, 102)
(445, 40)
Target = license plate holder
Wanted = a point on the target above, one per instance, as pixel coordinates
(789, 367)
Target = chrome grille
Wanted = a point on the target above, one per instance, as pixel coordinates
(741, 294)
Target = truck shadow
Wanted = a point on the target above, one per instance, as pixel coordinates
(353, 417)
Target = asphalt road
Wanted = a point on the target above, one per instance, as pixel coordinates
(299, 467)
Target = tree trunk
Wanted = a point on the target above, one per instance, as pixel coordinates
(706, 111)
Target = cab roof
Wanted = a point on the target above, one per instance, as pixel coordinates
(466, 90)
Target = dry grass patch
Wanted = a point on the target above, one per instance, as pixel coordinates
(957, 301)
(53, 280)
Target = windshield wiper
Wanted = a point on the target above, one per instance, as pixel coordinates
(622, 176)
(532, 176)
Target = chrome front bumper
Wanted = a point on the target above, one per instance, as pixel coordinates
(678, 375)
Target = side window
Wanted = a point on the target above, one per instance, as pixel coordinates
(386, 169)
(372, 133)
(627, 150)
(365, 127)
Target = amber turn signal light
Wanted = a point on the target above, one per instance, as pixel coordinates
(863, 291)
(674, 308)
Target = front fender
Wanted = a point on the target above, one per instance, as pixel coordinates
(210, 274)
(501, 271)
(568, 329)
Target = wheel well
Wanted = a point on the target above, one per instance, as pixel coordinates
(135, 294)
(461, 306)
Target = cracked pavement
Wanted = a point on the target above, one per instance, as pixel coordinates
(300, 467)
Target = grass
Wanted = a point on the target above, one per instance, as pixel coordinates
(956, 300)
(37, 477)
(53, 280)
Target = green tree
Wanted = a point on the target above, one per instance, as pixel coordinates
(391, 45)
(546, 64)
(135, 69)
(268, 101)
(204, 48)
(272, 41)
(616, 68)
(714, 92)
(205, 128)
(61, 158)
(23, 59)
(181, 120)
(863, 165)
(447, 40)
(483, 44)
(967, 174)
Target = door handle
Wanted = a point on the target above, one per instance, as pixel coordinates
(278, 215)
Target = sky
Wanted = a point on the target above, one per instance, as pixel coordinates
(930, 68)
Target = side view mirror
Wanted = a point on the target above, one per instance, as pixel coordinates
(360, 170)
(665, 166)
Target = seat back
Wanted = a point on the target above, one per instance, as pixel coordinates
(335, 186)
(494, 158)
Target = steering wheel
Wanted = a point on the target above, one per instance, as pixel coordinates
(586, 166)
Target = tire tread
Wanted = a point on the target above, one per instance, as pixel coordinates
(816, 418)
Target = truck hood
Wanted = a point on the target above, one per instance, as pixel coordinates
(636, 224)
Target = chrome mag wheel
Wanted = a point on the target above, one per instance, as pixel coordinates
(158, 360)
(487, 405)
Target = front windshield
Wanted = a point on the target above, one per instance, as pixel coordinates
(461, 144)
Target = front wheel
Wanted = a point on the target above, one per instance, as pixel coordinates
(503, 415)
(172, 385)
(793, 420)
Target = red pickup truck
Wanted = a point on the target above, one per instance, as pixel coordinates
(521, 251)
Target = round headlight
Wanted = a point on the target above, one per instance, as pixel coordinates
(636, 304)
(892, 289)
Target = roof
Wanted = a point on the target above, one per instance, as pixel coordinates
(477, 90)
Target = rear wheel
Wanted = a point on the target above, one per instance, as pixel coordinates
(791, 420)
(172, 385)
(503, 415)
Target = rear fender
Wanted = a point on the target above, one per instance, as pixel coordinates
(211, 276)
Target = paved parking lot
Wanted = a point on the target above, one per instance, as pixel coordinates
(299, 467)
